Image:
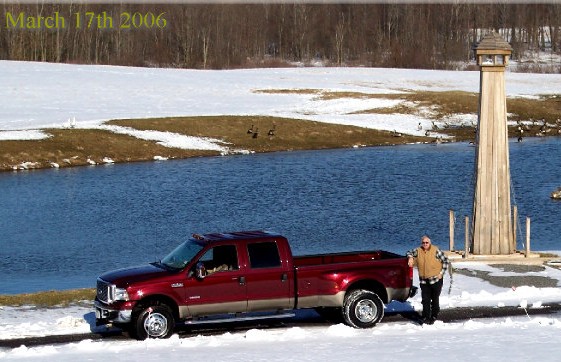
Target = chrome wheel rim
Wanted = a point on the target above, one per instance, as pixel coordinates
(155, 325)
(365, 311)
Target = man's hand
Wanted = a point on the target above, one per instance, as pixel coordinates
(410, 262)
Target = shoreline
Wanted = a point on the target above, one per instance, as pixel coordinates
(76, 148)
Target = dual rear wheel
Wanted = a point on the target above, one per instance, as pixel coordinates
(362, 309)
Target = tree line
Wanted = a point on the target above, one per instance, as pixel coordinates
(220, 36)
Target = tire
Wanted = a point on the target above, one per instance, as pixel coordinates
(155, 321)
(362, 309)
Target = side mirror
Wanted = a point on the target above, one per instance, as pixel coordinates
(200, 270)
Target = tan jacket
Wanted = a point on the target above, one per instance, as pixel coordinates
(428, 264)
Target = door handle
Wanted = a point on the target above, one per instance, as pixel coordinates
(241, 280)
(284, 277)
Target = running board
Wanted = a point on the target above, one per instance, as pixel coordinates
(239, 319)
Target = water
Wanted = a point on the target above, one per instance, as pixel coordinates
(59, 229)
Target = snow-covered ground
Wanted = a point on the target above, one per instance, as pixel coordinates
(35, 96)
(500, 339)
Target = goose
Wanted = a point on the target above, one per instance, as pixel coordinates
(272, 130)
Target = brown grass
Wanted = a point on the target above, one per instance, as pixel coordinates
(287, 134)
(445, 104)
(290, 91)
(49, 298)
(73, 147)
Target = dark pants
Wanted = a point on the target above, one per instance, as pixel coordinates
(430, 294)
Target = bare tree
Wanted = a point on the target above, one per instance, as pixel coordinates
(237, 35)
(339, 38)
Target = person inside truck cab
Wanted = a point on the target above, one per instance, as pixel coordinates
(220, 258)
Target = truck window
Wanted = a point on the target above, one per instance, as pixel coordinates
(264, 255)
(220, 258)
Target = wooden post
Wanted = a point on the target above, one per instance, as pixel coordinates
(491, 218)
(466, 251)
(514, 223)
(527, 251)
(451, 230)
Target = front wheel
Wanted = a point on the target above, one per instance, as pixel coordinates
(362, 309)
(155, 321)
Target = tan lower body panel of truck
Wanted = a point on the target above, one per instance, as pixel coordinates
(335, 300)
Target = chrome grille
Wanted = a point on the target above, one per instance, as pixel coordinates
(103, 290)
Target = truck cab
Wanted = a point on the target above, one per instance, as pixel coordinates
(206, 275)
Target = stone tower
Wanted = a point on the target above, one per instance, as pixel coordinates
(492, 232)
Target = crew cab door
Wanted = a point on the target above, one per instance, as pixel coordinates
(222, 289)
(268, 278)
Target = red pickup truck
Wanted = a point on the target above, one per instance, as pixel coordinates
(241, 275)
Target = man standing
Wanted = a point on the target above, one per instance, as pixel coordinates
(432, 264)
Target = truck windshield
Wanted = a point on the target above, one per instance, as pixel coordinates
(181, 255)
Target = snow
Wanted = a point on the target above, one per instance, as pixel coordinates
(36, 96)
(45, 95)
(518, 338)
(495, 339)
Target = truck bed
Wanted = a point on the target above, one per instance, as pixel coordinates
(322, 280)
(346, 257)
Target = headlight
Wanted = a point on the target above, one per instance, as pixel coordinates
(119, 294)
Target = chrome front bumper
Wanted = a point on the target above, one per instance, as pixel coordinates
(106, 315)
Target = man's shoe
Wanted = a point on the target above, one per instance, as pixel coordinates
(429, 321)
